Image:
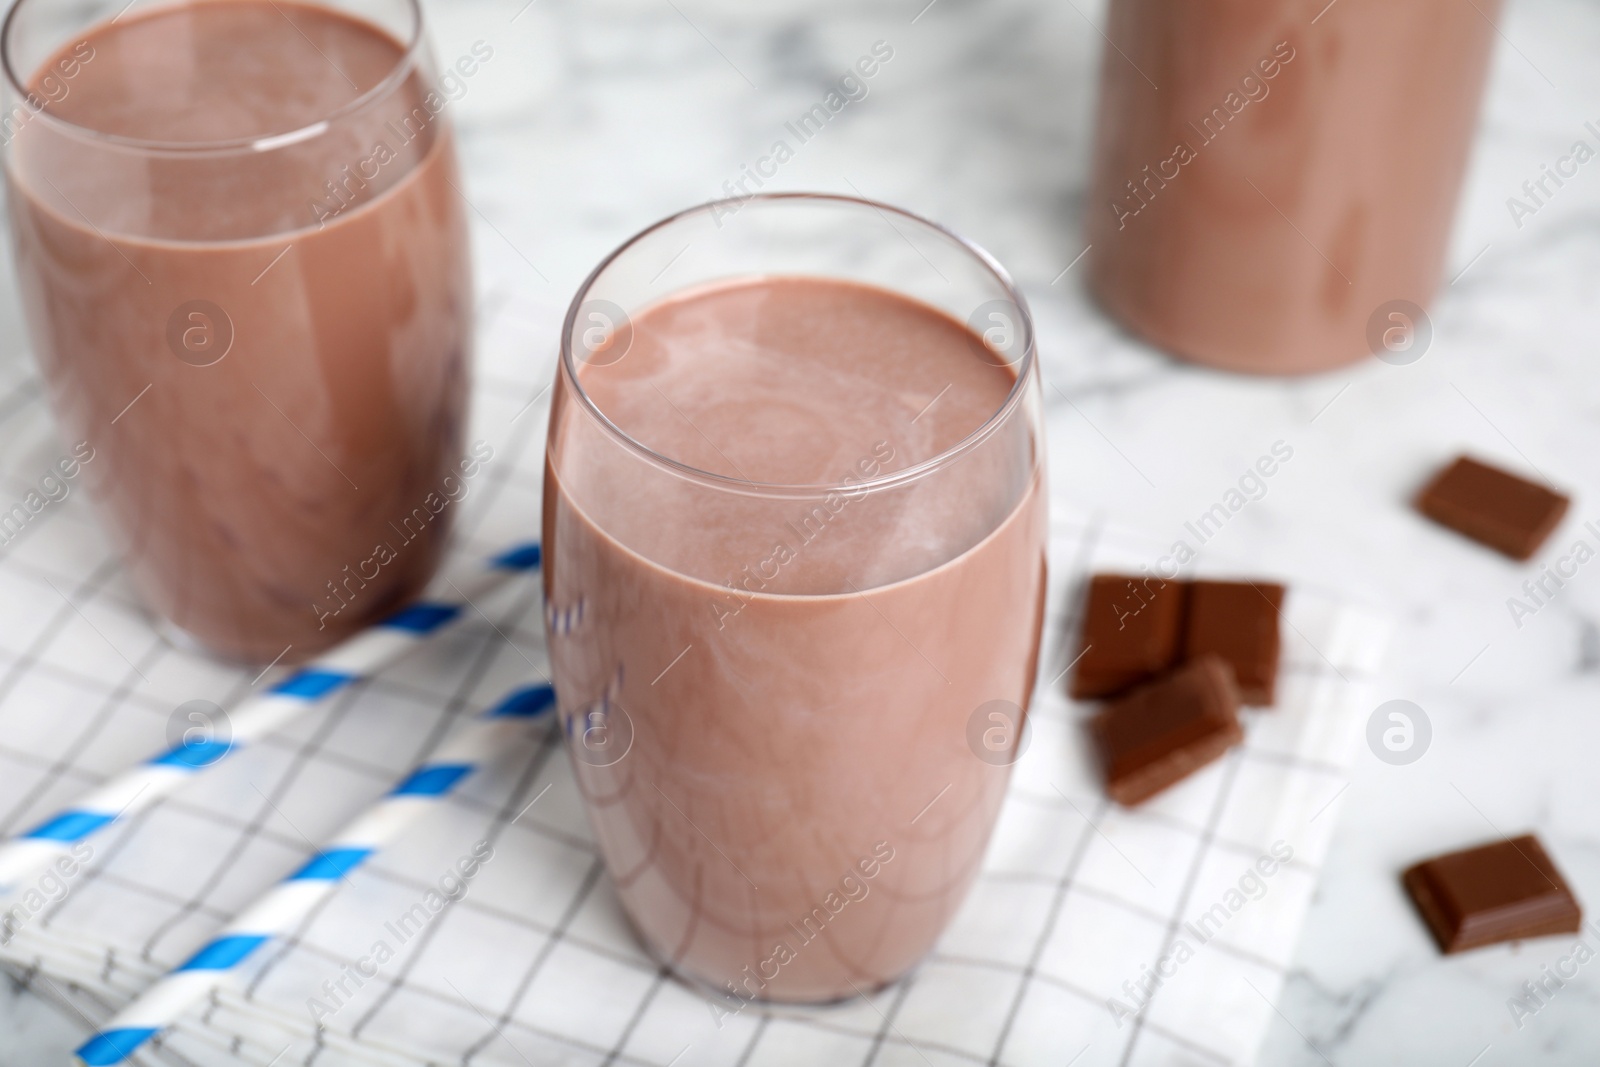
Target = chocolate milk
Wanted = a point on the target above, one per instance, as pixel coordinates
(267, 344)
(784, 686)
(1268, 189)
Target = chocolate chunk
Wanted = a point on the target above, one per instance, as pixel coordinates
(1492, 506)
(1131, 633)
(1165, 731)
(1237, 621)
(1498, 892)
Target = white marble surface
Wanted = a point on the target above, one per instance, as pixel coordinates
(594, 119)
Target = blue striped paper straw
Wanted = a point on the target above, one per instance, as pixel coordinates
(286, 905)
(359, 657)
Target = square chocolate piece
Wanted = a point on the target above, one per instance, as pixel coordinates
(1131, 633)
(1493, 507)
(1504, 891)
(1165, 731)
(1238, 621)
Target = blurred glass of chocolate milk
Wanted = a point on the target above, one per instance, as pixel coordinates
(243, 259)
(1274, 180)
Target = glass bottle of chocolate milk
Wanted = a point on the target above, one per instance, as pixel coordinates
(1274, 180)
(244, 265)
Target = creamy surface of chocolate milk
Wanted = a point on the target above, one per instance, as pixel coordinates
(1268, 189)
(770, 696)
(268, 344)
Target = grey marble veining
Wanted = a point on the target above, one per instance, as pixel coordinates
(595, 118)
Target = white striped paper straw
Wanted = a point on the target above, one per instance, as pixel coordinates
(292, 900)
(362, 655)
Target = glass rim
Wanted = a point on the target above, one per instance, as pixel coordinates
(917, 471)
(404, 63)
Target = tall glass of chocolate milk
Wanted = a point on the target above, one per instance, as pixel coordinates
(794, 526)
(1275, 180)
(243, 260)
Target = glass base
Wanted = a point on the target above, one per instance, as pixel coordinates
(732, 1004)
(184, 641)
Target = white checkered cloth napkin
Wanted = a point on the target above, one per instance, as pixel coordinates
(1118, 937)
